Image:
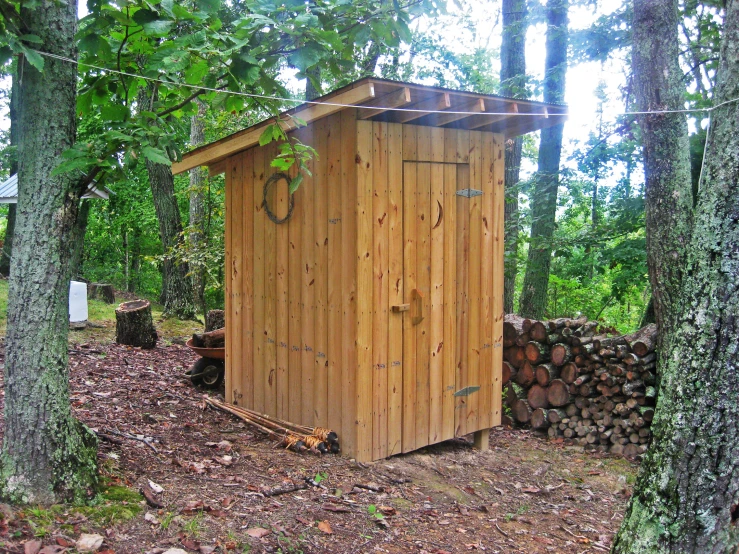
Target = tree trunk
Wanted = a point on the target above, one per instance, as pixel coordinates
(47, 455)
(311, 91)
(134, 326)
(687, 492)
(544, 200)
(13, 106)
(198, 179)
(176, 283)
(659, 85)
(512, 84)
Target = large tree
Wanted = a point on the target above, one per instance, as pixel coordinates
(512, 84)
(544, 198)
(47, 455)
(686, 496)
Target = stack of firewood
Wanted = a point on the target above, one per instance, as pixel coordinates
(594, 391)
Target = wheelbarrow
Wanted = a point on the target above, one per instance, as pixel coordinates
(210, 369)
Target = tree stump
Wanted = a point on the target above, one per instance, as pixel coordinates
(134, 325)
(101, 291)
(215, 319)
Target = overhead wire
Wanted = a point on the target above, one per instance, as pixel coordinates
(340, 105)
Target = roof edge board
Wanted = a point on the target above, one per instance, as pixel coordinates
(212, 153)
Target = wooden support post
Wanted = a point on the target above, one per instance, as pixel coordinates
(481, 439)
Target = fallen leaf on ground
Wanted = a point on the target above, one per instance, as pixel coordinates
(89, 542)
(32, 547)
(155, 487)
(532, 490)
(258, 532)
(334, 508)
(325, 527)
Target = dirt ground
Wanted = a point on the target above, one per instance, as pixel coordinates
(525, 495)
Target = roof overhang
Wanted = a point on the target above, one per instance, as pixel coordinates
(395, 102)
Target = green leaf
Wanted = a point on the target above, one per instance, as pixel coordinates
(95, 45)
(283, 164)
(295, 183)
(196, 72)
(33, 58)
(71, 165)
(156, 155)
(114, 112)
(266, 136)
(208, 6)
(35, 39)
(151, 23)
(245, 72)
(305, 57)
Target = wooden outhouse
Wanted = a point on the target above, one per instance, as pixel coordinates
(376, 309)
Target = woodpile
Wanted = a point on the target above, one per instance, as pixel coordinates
(594, 391)
(211, 339)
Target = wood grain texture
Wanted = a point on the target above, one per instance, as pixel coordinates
(423, 284)
(474, 147)
(349, 276)
(410, 176)
(246, 370)
(437, 228)
(380, 292)
(498, 180)
(260, 343)
(335, 189)
(450, 301)
(320, 246)
(396, 289)
(228, 301)
(364, 258)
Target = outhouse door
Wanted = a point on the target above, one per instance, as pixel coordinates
(438, 387)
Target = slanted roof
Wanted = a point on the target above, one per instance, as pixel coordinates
(9, 191)
(396, 102)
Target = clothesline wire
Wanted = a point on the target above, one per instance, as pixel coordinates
(340, 105)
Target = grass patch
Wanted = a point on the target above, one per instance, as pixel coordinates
(115, 504)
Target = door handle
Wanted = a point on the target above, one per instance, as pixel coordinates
(417, 311)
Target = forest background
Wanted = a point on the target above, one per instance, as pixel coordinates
(598, 261)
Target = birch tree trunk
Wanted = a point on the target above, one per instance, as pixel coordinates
(544, 201)
(686, 498)
(47, 455)
(513, 85)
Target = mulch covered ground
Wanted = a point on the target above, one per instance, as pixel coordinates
(219, 478)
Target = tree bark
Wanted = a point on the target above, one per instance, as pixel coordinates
(687, 492)
(134, 325)
(311, 91)
(512, 84)
(176, 283)
(544, 201)
(47, 455)
(659, 85)
(198, 178)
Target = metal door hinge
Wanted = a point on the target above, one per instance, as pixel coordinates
(466, 391)
(469, 193)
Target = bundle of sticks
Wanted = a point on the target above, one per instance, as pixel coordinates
(292, 436)
(571, 382)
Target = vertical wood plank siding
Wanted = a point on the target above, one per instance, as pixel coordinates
(311, 333)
